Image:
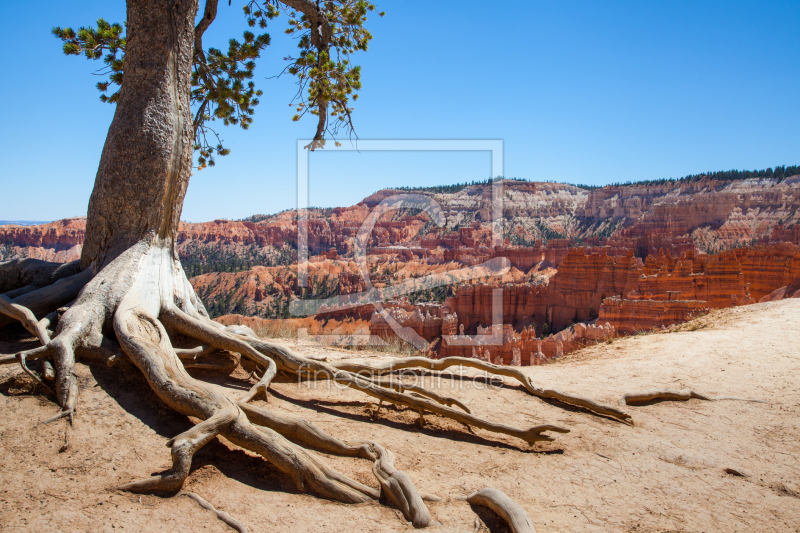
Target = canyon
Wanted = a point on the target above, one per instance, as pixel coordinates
(582, 265)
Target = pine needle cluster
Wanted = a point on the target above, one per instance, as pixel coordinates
(222, 81)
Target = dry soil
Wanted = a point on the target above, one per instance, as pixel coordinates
(666, 473)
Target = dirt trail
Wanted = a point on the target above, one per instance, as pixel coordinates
(667, 473)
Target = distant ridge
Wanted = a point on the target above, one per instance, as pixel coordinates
(779, 173)
(23, 222)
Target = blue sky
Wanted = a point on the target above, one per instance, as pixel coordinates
(583, 91)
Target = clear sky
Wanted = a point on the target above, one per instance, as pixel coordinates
(579, 91)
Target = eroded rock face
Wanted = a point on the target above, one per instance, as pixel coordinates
(640, 243)
(630, 297)
(419, 318)
(574, 294)
(715, 214)
(60, 241)
(632, 316)
(792, 290)
(500, 344)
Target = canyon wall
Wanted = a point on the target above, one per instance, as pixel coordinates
(575, 254)
(630, 297)
(59, 242)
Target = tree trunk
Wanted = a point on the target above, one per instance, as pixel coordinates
(147, 158)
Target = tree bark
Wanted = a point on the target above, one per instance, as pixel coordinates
(147, 158)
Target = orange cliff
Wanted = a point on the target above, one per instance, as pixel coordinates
(419, 318)
(551, 281)
(60, 241)
(574, 294)
(705, 214)
(713, 214)
(621, 293)
(673, 290)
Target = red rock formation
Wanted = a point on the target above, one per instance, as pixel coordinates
(573, 294)
(768, 267)
(631, 316)
(715, 214)
(672, 222)
(424, 324)
(521, 257)
(498, 345)
(59, 241)
(502, 345)
(723, 279)
(791, 290)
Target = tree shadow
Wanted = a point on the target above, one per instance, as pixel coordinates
(494, 523)
(14, 338)
(131, 391)
(228, 381)
(23, 385)
(655, 401)
(490, 382)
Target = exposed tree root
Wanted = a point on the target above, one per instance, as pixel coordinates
(402, 387)
(146, 342)
(65, 446)
(184, 447)
(59, 416)
(48, 371)
(50, 320)
(44, 300)
(447, 362)
(506, 508)
(32, 374)
(19, 292)
(24, 315)
(395, 483)
(30, 274)
(398, 487)
(682, 395)
(290, 362)
(35, 353)
(222, 515)
(187, 354)
(735, 472)
(262, 387)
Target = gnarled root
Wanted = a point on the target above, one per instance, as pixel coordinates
(262, 387)
(146, 342)
(395, 483)
(506, 508)
(24, 315)
(222, 515)
(288, 361)
(443, 364)
(31, 373)
(682, 395)
(29, 274)
(184, 447)
(63, 351)
(416, 390)
(42, 301)
(398, 487)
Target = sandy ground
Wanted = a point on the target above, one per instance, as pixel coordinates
(667, 473)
